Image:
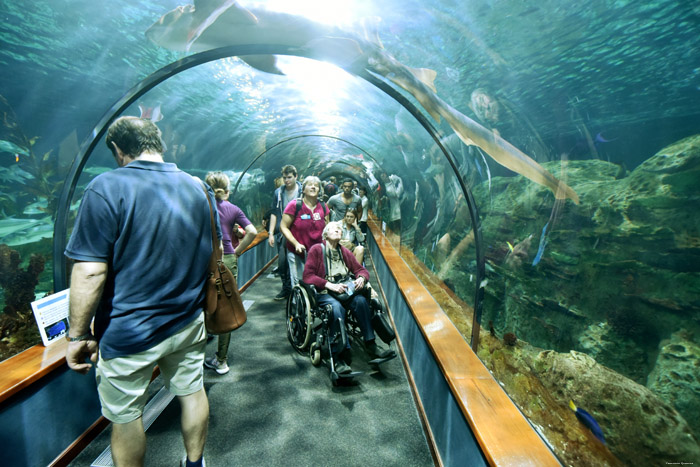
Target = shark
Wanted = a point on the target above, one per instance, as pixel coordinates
(210, 24)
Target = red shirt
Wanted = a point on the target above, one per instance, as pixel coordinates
(308, 226)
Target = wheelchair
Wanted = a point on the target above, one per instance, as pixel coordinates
(309, 328)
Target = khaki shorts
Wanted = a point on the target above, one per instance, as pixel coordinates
(122, 382)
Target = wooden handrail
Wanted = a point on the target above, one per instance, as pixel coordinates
(20, 371)
(25, 368)
(503, 433)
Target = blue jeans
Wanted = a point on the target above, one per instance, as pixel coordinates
(359, 306)
(282, 263)
(296, 268)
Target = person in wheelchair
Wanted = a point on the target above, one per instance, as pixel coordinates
(340, 281)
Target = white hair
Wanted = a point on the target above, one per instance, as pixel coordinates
(327, 228)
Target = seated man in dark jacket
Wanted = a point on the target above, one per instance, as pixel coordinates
(333, 268)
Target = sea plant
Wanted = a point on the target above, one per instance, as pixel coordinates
(42, 176)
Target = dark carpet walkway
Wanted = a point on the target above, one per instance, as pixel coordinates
(275, 409)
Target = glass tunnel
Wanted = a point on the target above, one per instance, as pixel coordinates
(534, 164)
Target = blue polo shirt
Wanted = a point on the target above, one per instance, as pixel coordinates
(150, 223)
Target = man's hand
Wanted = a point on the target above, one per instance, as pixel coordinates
(300, 248)
(359, 282)
(271, 240)
(77, 352)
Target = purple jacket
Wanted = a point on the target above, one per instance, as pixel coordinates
(315, 267)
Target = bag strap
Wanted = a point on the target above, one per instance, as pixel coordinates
(216, 254)
(326, 260)
(323, 205)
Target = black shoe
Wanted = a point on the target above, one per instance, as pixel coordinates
(342, 368)
(374, 351)
(346, 356)
(281, 296)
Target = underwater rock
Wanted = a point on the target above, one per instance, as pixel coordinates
(627, 256)
(640, 427)
(601, 342)
(620, 274)
(676, 377)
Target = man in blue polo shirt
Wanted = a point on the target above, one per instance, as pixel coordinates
(141, 245)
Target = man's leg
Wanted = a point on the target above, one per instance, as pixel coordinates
(128, 443)
(296, 268)
(194, 422)
(283, 267)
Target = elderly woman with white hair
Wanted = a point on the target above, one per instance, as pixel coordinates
(339, 278)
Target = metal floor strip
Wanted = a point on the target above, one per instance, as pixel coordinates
(155, 407)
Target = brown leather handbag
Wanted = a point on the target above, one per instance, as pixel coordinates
(223, 307)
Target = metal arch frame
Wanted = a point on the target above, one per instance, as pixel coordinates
(89, 144)
(292, 138)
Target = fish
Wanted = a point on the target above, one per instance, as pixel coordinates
(151, 113)
(12, 225)
(207, 25)
(515, 257)
(442, 248)
(588, 421)
(510, 246)
(34, 234)
(14, 174)
(543, 242)
(12, 148)
(600, 139)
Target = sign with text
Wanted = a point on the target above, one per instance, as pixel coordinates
(51, 314)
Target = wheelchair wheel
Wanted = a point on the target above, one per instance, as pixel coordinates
(299, 318)
(315, 354)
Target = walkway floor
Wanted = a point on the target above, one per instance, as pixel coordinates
(275, 409)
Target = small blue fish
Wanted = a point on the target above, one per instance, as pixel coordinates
(588, 420)
(543, 242)
(600, 139)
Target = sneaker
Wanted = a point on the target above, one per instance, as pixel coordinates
(281, 296)
(374, 351)
(216, 365)
(342, 368)
(183, 462)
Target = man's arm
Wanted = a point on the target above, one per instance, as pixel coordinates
(87, 283)
(271, 230)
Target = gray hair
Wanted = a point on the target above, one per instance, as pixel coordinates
(313, 179)
(327, 228)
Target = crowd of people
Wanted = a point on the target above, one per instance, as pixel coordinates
(147, 217)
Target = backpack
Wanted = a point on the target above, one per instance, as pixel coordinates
(298, 208)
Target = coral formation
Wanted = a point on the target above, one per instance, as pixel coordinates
(17, 326)
(510, 339)
(618, 279)
(676, 376)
